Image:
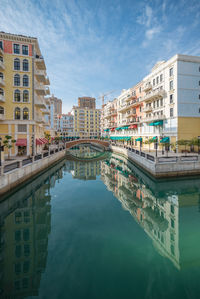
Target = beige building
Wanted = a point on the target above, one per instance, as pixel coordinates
(23, 87)
(86, 119)
(87, 102)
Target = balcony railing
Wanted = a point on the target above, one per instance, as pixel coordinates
(2, 98)
(2, 66)
(40, 75)
(155, 94)
(40, 89)
(39, 60)
(147, 87)
(130, 104)
(2, 83)
(47, 91)
(155, 117)
(40, 102)
(39, 118)
(147, 108)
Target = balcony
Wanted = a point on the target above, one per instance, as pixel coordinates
(148, 109)
(2, 66)
(47, 82)
(40, 102)
(45, 111)
(2, 98)
(40, 89)
(39, 60)
(2, 116)
(40, 75)
(147, 87)
(154, 95)
(154, 117)
(2, 83)
(39, 118)
(127, 106)
(47, 91)
(132, 113)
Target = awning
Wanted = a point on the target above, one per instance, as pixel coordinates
(112, 129)
(44, 140)
(133, 127)
(106, 130)
(39, 142)
(165, 140)
(125, 128)
(138, 139)
(154, 138)
(119, 128)
(21, 142)
(157, 123)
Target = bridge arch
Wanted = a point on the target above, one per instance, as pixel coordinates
(103, 144)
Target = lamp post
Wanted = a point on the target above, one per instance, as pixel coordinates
(156, 146)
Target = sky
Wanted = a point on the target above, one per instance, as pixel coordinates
(93, 47)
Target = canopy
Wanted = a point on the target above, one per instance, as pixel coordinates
(44, 140)
(157, 123)
(125, 128)
(154, 138)
(165, 140)
(119, 128)
(21, 142)
(133, 127)
(138, 139)
(106, 130)
(38, 141)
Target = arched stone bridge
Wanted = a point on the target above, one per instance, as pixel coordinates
(104, 144)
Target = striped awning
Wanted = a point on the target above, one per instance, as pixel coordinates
(21, 142)
(38, 141)
(133, 127)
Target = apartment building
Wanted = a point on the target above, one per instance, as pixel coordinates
(65, 124)
(86, 120)
(164, 106)
(87, 102)
(23, 87)
(109, 117)
(55, 107)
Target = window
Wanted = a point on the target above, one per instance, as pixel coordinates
(157, 80)
(25, 65)
(17, 113)
(1, 76)
(171, 72)
(154, 82)
(26, 234)
(1, 44)
(199, 83)
(25, 114)
(1, 58)
(17, 235)
(26, 216)
(157, 103)
(16, 64)
(171, 98)
(25, 96)
(26, 250)
(17, 80)
(17, 95)
(16, 49)
(172, 209)
(25, 50)
(170, 85)
(199, 94)
(161, 102)
(26, 266)
(18, 251)
(1, 110)
(25, 80)
(1, 91)
(172, 223)
(171, 112)
(18, 217)
(161, 78)
(17, 268)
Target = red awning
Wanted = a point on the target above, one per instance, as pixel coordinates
(39, 142)
(133, 127)
(44, 140)
(112, 129)
(21, 142)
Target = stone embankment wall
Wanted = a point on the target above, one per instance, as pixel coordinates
(14, 178)
(163, 167)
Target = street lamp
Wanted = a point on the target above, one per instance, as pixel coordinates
(156, 144)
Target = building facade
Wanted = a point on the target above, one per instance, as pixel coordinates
(23, 87)
(86, 120)
(65, 124)
(164, 106)
(87, 102)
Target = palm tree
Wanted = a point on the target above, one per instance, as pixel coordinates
(183, 142)
(149, 141)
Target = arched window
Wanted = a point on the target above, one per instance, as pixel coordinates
(17, 80)
(17, 113)
(1, 58)
(25, 80)
(25, 96)
(16, 64)
(1, 75)
(25, 65)
(1, 91)
(17, 95)
(1, 110)
(25, 113)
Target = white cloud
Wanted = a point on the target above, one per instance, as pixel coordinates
(151, 32)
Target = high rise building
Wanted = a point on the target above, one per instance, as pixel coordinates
(86, 119)
(23, 85)
(87, 102)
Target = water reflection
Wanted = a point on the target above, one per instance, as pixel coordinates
(84, 170)
(86, 151)
(159, 208)
(25, 225)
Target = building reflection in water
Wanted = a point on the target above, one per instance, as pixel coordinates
(84, 170)
(25, 224)
(159, 208)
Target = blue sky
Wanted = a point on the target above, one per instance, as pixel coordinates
(94, 46)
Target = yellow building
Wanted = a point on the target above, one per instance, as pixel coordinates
(86, 119)
(23, 85)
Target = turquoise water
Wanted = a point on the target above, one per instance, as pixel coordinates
(101, 229)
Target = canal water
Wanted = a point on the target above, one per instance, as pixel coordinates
(100, 228)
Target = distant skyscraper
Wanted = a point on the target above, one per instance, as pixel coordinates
(87, 102)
